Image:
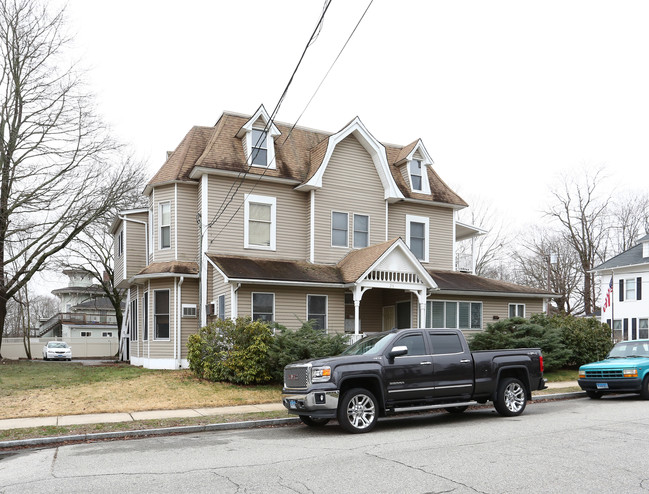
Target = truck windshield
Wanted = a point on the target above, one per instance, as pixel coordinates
(630, 349)
(370, 345)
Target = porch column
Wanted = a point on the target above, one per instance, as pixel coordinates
(421, 299)
(358, 292)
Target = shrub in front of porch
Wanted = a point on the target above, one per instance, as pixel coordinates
(289, 346)
(229, 350)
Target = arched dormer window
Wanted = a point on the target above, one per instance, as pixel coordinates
(258, 138)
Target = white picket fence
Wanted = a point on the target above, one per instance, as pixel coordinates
(87, 347)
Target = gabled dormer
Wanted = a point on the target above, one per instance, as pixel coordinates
(412, 162)
(258, 139)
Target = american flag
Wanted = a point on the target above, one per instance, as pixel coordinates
(607, 299)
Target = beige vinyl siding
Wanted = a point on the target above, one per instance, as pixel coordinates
(189, 325)
(163, 194)
(291, 229)
(118, 263)
(188, 234)
(290, 304)
(162, 348)
(135, 244)
(350, 185)
(440, 230)
(220, 287)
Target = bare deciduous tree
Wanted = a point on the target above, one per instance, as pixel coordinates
(629, 221)
(58, 165)
(582, 214)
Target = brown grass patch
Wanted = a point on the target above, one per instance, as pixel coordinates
(151, 391)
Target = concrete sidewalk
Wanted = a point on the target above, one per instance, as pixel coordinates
(100, 418)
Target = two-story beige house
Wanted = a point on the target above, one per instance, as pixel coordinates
(256, 218)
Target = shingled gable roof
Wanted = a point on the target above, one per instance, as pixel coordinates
(357, 262)
(300, 152)
(630, 257)
(455, 281)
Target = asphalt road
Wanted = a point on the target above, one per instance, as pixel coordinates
(564, 446)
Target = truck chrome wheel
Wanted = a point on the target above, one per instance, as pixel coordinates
(511, 397)
(358, 411)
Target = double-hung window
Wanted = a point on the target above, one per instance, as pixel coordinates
(260, 222)
(120, 243)
(259, 152)
(417, 236)
(516, 310)
(415, 175)
(361, 231)
(629, 292)
(339, 229)
(317, 310)
(221, 313)
(643, 328)
(263, 307)
(164, 220)
(161, 314)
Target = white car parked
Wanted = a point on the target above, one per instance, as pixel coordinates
(57, 350)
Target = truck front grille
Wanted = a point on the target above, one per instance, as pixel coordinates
(296, 377)
(604, 373)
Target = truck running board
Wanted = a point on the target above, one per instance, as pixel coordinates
(432, 407)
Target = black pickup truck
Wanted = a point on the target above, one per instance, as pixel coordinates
(409, 370)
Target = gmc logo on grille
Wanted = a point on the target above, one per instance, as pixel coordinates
(292, 377)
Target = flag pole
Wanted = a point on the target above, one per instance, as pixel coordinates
(613, 307)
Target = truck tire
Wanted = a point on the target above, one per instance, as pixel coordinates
(358, 411)
(644, 392)
(511, 398)
(594, 395)
(455, 409)
(313, 422)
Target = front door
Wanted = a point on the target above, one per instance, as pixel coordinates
(388, 318)
(404, 314)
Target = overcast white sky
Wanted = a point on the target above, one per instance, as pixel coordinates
(504, 94)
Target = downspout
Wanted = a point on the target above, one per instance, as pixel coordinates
(312, 228)
(179, 324)
(234, 300)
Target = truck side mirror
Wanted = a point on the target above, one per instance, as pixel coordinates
(397, 351)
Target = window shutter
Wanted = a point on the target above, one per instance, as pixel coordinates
(638, 288)
(621, 290)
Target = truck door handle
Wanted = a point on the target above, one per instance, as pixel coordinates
(465, 361)
(425, 363)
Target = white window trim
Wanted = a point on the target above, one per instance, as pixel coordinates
(270, 149)
(419, 219)
(155, 336)
(516, 304)
(189, 306)
(326, 314)
(627, 282)
(252, 303)
(272, 201)
(421, 175)
(160, 225)
(120, 243)
(331, 230)
(457, 313)
(354, 230)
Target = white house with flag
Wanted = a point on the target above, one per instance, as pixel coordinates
(624, 280)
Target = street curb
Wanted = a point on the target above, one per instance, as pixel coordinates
(189, 429)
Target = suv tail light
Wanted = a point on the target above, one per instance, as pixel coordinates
(541, 362)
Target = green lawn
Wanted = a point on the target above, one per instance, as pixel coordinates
(561, 375)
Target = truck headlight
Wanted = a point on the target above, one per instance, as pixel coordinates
(630, 372)
(582, 374)
(320, 374)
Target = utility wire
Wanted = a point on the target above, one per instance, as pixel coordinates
(298, 119)
(228, 199)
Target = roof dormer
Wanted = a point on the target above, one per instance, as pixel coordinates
(413, 161)
(258, 138)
